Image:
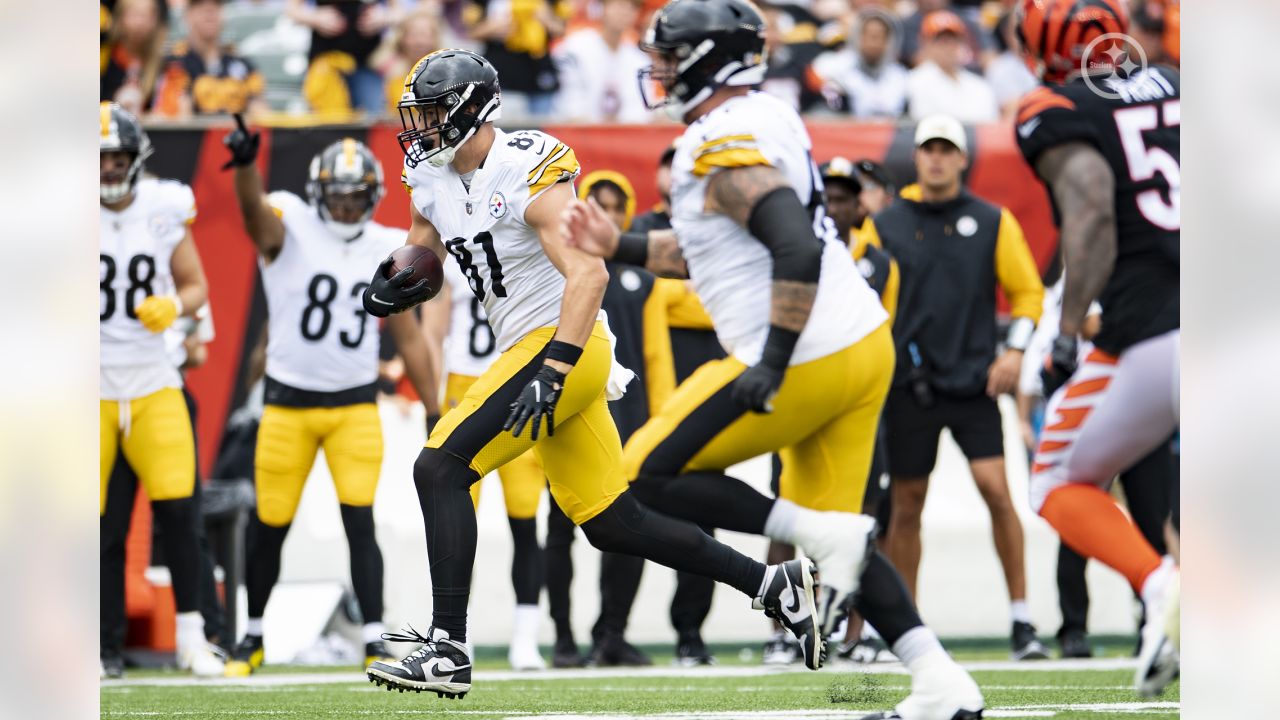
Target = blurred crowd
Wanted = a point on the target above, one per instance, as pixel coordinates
(563, 60)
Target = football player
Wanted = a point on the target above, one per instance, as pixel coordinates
(810, 362)
(1103, 134)
(459, 331)
(150, 276)
(322, 366)
(494, 200)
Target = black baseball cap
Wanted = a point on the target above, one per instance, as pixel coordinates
(875, 172)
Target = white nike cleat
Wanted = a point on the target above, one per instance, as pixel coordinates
(523, 653)
(1159, 662)
(787, 597)
(840, 544)
(441, 665)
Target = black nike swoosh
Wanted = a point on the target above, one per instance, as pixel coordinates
(796, 606)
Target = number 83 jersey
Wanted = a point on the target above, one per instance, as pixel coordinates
(319, 337)
(482, 225)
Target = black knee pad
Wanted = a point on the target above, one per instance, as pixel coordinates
(439, 468)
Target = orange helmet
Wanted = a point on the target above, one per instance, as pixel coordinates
(1055, 33)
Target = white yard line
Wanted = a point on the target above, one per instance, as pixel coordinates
(331, 678)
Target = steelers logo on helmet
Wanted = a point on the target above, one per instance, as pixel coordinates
(344, 185)
(447, 96)
(699, 46)
(120, 132)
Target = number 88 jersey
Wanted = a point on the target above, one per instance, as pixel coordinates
(136, 247)
(482, 226)
(470, 347)
(319, 337)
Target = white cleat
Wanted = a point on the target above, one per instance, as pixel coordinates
(523, 653)
(943, 691)
(202, 659)
(1159, 662)
(839, 543)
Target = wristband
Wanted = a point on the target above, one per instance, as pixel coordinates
(563, 352)
(778, 346)
(633, 249)
(1019, 335)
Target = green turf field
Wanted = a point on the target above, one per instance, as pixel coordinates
(1079, 690)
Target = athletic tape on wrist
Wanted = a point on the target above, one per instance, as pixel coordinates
(1020, 331)
(633, 249)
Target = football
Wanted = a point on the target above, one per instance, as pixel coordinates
(425, 264)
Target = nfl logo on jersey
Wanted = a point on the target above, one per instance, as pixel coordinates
(497, 206)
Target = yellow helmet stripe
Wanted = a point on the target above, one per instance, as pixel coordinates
(104, 119)
(348, 154)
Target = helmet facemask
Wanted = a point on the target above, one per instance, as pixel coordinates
(683, 76)
(456, 114)
(121, 133)
(345, 194)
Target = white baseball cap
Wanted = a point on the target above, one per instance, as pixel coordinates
(941, 127)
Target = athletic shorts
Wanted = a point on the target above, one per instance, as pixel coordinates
(912, 431)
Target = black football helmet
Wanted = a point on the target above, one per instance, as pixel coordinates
(120, 131)
(345, 173)
(710, 43)
(464, 88)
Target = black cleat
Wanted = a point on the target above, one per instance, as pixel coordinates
(377, 651)
(1074, 644)
(1025, 645)
(112, 664)
(246, 658)
(441, 665)
(564, 654)
(692, 652)
(788, 598)
(614, 651)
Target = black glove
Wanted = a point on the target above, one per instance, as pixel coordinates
(537, 400)
(755, 388)
(1060, 365)
(242, 144)
(389, 295)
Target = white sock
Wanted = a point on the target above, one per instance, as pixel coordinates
(1154, 586)
(917, 647)
(372, 632)
(869, 632)
(190, 629)
(253, 627)
(782, 521)
(1019, 611)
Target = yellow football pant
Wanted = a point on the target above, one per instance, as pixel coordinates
(522, 478)
(290, 437)
(582, 461)
(154, 433)
(823, 425)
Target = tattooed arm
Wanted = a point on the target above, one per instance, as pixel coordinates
(665, 258)
(759, 198)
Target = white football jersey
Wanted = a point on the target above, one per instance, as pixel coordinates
(319, 337)
(484, 230)
(135, 250)
(731, 270)
(471, 347)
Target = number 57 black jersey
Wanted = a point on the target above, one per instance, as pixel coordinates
(481, 223)
(1134, 123)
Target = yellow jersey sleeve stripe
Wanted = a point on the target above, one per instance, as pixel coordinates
(711, 145)
(537, 170)
(563, 167)
(729, 158)
(404, 180)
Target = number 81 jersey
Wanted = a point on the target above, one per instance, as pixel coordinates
(482, 226)
(319, 337)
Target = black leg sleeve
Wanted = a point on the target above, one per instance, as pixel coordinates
(628, 527)
(691, 602)
(619, 583)
(177, 521)
(1073, 591)
(559, 564)
(263, 546)
(526, 560)
(1147, 488)
(884, 601)
(443, 483)
(113, 530)
(366, 560)
(709, 499)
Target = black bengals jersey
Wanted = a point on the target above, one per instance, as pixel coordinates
(1134, 124)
